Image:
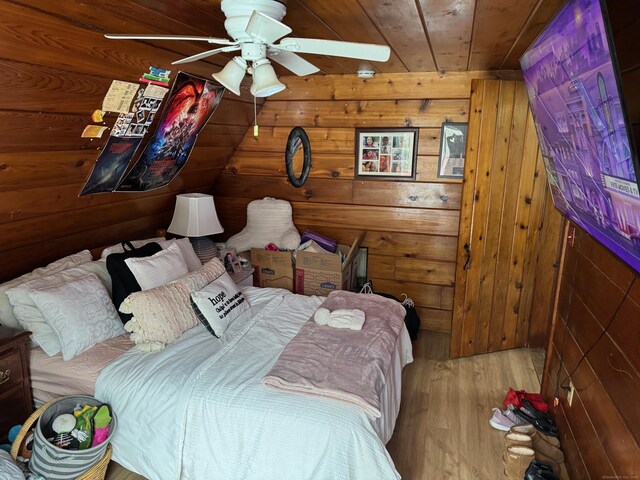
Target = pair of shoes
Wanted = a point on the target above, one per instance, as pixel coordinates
(534, 412)
(546, 448)
(541, 421)
(504, 419)
(540, 471)
(517, 458)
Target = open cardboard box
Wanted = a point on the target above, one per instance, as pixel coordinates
(272, 269)
(321, 273)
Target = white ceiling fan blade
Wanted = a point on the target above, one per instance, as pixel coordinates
(293, 62)
(265, 29)
(364, 51)
(126, 36)
(208, 53)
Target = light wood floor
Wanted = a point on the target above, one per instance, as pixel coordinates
(443, 429)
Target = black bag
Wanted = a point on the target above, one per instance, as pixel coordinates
(123, 281)
(411, 318)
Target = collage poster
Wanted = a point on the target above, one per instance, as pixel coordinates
(189, 106)
(126, 136)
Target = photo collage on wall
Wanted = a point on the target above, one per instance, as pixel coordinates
(385, 153)
(136, 122)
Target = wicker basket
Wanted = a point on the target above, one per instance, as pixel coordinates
(97, 472)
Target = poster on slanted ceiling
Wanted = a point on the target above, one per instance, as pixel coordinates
(189, 106)
(126, 135)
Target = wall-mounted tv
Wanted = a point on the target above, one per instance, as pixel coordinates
(586, 139)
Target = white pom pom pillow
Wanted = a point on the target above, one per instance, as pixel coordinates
(162, 314)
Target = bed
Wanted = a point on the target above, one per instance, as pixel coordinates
(197, 409)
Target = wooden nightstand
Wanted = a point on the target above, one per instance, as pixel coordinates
(16, 403)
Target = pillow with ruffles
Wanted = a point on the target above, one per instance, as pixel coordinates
(162, 314)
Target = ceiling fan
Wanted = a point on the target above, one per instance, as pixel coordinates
(254, 26)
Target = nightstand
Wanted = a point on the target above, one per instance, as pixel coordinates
(244, 278)
(16, 403)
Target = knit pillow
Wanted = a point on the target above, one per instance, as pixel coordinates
(162, 314)
(268, 221)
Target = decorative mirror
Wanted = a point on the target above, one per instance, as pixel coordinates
(298, 157)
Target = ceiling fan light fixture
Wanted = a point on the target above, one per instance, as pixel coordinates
(232, 74)
(265, 81)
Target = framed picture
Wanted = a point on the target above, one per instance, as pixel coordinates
(228, 257)
(453, 142)
(236, 266)
(386, 153)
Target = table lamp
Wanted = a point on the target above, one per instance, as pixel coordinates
(195, 217)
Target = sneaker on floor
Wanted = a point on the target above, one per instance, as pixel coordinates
(504, 419)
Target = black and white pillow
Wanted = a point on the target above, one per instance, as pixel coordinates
(218, 304)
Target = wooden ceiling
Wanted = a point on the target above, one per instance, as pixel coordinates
(424, 35)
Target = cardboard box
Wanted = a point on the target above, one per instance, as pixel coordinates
(321, 273)
(273, 269)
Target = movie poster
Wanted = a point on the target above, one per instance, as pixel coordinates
(111, 164)
(126, 136)
(189, 106)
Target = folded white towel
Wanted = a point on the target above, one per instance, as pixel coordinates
(352, 319)
(321, 317)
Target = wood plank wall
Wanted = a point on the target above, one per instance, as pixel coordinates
(601, 430)
(504, 221)
(55, 67)
(411, 230)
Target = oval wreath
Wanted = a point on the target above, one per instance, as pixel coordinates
(298, 138)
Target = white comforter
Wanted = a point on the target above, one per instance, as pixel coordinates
(198, 410)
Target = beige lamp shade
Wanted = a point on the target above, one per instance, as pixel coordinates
(265, 81)
(232, 74)
(195, 216)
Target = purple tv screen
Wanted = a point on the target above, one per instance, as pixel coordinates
(591, 164)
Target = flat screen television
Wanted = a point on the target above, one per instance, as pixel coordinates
(586, 139)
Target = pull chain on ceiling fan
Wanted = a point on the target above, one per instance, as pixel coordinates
(255, 26)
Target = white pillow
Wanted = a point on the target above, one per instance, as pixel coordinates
(190, 257)
(158, 269)
(268, 221)
(6, 311)
(218, 304)
(29, 316)
(80, 312)
(118, 248)
(162, 314)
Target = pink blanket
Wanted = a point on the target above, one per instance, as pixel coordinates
(338, 363)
